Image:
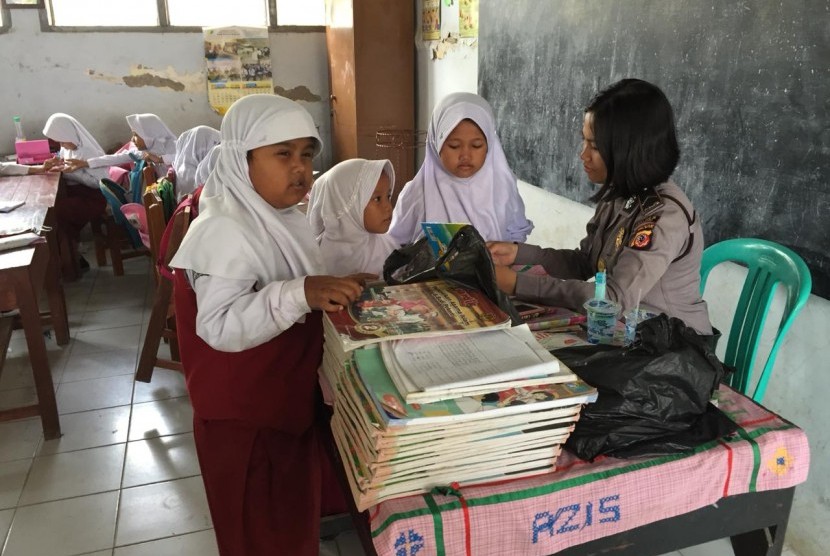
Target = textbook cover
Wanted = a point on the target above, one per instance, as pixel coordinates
(393, 410)
(431, 308)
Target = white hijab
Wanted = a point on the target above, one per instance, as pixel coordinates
(63, 128)
(335, 212)
(191, 148)
(238, 235)
(489, 199)
(157, 136)
(206, 166)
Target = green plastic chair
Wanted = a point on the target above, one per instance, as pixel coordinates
(768, 264)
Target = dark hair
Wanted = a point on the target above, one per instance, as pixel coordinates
(634, 132)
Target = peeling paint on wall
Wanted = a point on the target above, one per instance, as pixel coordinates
(149, 80)
(301, 92)
(143, 76)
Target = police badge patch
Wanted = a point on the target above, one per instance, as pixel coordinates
(643, 234)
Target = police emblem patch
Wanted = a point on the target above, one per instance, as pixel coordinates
(643, 234)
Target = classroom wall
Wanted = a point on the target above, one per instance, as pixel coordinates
(101, 77)
(800, 384)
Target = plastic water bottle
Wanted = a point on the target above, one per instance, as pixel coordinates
(18, 129)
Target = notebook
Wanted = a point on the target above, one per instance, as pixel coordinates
(32, 152)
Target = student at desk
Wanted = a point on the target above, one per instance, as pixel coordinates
(645, 232)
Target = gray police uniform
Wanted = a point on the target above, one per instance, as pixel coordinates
(651, 245)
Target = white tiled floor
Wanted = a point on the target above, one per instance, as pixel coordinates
(123, 480)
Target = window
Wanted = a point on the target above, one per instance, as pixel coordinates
(217, 13)
(104, 13)
(301, 12)
(185, 13)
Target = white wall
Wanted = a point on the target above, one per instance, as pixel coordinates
(83, 74)
(800, 385)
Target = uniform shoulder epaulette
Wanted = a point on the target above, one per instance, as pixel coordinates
(651, 203)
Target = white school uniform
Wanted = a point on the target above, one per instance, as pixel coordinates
(13, 169)
(335, 212)
(191, 148)
(489, 199)
(63, 128)
(247, 261)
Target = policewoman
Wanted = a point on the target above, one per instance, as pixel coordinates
(645, 233)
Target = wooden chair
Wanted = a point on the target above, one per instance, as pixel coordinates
(162, 318)
(154, 207)
(108, 235)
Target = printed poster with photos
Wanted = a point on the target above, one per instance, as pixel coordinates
(431, 20)
(238, 61)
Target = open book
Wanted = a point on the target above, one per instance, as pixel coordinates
(433, 308)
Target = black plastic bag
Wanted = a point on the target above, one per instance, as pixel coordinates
(653, 397)
(466, 261)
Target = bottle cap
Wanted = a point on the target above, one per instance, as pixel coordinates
(16, 118)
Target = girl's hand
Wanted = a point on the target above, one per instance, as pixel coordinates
(72, 164)
(150, 157)
(54, 164)
(506, 279)
(503, 252)
(331, 293)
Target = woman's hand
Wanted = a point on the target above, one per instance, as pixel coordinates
(331, 293)
(503, 252)
(506, 279)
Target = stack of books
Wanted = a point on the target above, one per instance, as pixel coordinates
(432, 387)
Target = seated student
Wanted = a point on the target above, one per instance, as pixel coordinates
(191, 148)
(249, 284)
(350, 211)
(645, 232)
(14, 169)
(464, 178)
(83, 200)
(151, 140)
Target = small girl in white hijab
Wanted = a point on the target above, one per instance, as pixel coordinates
(465, 177)
(151, 140)
(350, 211)
(82, 201)
(249, 282)
(206, 166)
(192, 147)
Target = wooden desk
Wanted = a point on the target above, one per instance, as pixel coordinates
(739, 487)
(23, 272)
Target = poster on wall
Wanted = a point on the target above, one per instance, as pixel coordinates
(431, 20)
(238, 63)
(468, 18)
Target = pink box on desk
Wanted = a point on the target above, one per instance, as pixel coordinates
(32, 152)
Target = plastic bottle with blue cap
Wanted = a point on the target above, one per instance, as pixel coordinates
(602, 313)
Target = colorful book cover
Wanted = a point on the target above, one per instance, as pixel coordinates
(395, 411)
(421, 309)
(439, 235)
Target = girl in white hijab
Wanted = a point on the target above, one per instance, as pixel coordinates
(192, 147)
(151, 140)
(76, 143)
(350, 211)
(249, 339)
(465, 177)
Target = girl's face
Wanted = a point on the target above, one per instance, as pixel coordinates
(592, 162)
(465, 150)
(378, 212)
(68, 146)
(138, 141)
(281, 173)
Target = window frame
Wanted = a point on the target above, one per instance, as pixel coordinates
(163, 26)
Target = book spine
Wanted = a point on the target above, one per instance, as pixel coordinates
(557, 323)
